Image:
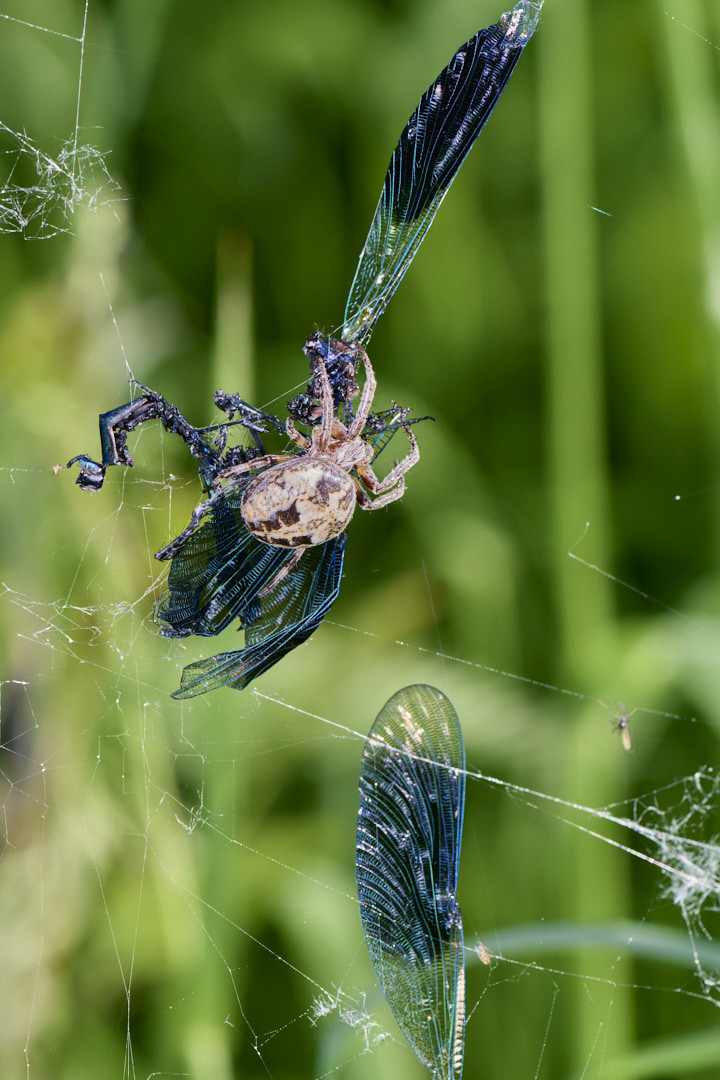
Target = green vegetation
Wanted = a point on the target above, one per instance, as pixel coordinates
(177, 880)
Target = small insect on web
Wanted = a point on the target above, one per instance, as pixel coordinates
(268, 543)
(621, 725)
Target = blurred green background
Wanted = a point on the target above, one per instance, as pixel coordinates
(177, 881)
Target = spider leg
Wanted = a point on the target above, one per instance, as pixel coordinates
(366, 503)
(283, 571)
(328, 409)
(393, 484)
(196, 519)
(292, 433)
(366, 398)
(233, 471)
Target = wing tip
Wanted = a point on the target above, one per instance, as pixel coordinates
(522, 21)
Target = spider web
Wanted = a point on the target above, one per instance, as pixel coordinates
(177, 892)
(40, 191)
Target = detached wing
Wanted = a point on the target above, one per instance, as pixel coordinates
(433, 146)
(412, 798)
(274, 624)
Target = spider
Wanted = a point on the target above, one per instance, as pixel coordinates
(301, 500)
(304, 499)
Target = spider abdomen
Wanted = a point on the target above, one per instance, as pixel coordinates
(299, 503)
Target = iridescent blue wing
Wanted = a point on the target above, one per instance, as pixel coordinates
(274, 624)
(431, 150)
(217, 574)
(412, 798)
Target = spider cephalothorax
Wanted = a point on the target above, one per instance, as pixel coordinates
(300, 500)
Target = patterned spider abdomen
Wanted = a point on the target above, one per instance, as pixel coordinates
(299, 503)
